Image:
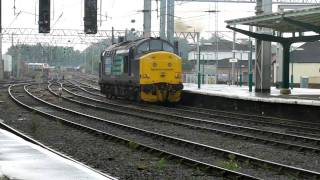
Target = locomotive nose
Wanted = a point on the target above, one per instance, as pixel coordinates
(162, 72)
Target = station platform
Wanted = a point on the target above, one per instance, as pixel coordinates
(300, 104)
(298, 95)
(20, 159)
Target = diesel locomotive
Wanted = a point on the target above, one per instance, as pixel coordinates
(143, 70)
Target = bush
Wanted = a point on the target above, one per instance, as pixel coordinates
(133, 145)
(161, 164)
(4, 178)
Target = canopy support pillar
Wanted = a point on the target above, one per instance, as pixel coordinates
(285, 69)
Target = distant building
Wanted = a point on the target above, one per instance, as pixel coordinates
(225, 70)
(215, 57)
(7, 66)
(305, 64)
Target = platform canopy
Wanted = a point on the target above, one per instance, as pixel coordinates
(302, 20)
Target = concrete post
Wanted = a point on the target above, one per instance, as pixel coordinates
(170, 21)
(263, 52)
(147, 19)
(1, 61)
(163, 11)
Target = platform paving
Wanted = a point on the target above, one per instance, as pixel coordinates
(301, 96)
(23, 160)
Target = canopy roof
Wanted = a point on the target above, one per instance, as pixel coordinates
(302, 20)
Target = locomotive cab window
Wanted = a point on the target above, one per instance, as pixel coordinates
(155, 45)
(167, 47)
(144, 47)
(126, 64)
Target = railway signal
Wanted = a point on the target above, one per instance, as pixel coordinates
(44, 16)
(90, 16)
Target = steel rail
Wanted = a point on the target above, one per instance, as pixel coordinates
(294, 137)
(196, 109)
(288, 146)
(89, 86)
(280, 168)
(215, 170)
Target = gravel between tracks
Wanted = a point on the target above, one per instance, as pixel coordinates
(108, 156)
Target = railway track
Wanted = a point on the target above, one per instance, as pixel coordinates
(242, 158)
(98, 127)
(306, 128)
(285, 125)
(5, 84)
(307, 144)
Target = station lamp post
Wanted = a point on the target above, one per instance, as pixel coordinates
(250, 83)
(240, 66)
(291, 84)
(198, 62)
(249, 68)
(198, 56)
(240, 69)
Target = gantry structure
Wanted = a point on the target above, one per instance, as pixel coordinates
(167, 12)
(304, 2)
(70, 37)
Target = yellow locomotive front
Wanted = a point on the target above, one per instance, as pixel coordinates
(160, 77)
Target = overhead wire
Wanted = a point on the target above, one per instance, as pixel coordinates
(57, 20)
(14, 19)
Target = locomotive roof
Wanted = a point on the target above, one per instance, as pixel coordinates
(130, 44)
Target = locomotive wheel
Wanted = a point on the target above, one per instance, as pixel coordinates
(130, 97)
(138, 97)
(108, 95)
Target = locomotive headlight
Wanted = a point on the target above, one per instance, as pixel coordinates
(145, 76)
(154, 65)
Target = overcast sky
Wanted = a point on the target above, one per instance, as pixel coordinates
(120, 13)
